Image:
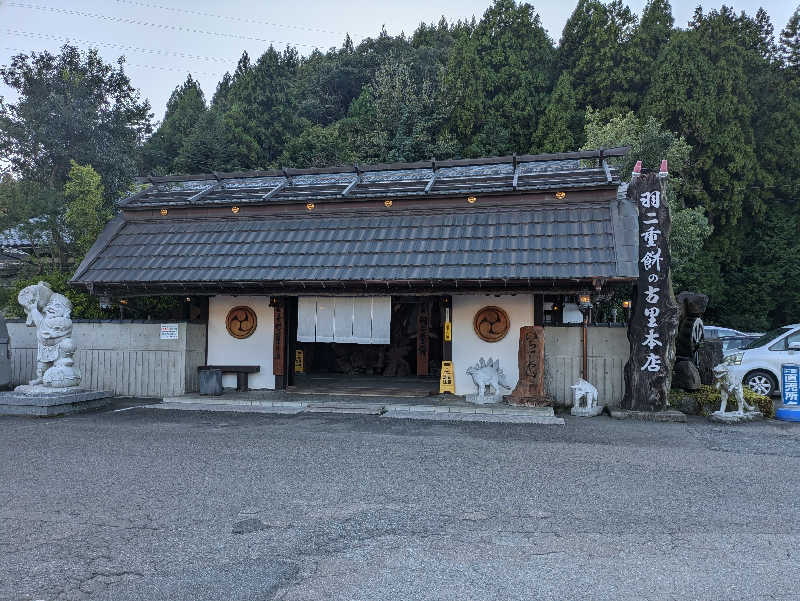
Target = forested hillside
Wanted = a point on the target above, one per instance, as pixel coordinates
(720, 99)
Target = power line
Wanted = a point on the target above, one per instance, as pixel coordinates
(144, 66)
(57, 38)
(79, 13)
(227, 17)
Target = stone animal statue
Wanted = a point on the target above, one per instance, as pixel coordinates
(50, 312)
(583, 390)
(729, 383)
(487, 374)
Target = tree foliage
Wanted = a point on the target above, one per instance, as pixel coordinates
(185, 109)
(650, 143)
(72, 106)
(86, 214)
(719, 99)
(497, 79)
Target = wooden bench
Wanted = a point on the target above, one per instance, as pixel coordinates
(242, 373)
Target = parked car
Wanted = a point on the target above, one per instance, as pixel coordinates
(730, 344)
(712, 332)
(761, 359)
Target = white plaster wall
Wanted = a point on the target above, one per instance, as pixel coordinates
(224, 349)
(126, 357)
(468, 348)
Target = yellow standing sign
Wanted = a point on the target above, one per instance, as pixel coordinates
(447, 380)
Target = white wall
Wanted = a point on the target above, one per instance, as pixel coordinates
(468, 348)
(127, 357)
(224, 349)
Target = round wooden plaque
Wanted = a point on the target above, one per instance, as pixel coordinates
(491, 324)
(241, 322)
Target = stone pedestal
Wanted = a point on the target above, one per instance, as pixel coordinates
(5, 356)
(486, 399)
(50, 403)
(530, 387)
(584, 411)
(734, 417)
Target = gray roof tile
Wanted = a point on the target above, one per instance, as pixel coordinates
(540, 242)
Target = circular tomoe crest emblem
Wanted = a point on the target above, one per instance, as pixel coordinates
(241, 322)
(491, 324)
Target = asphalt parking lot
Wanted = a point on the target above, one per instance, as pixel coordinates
(145, 504)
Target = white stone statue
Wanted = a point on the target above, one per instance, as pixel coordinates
(729, 383)
(584, 399)
(487, 374)
(50, 312)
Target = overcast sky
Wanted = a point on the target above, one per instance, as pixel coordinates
(164, 40)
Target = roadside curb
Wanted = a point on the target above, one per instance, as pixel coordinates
(484, 413)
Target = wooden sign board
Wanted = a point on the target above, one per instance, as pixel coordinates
(654, 318)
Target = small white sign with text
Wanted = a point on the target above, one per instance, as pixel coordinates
(169, 331)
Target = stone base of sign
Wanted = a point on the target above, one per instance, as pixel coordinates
(486, 399)
(587, 411)
(734, 417)
(649, 416)
(49, 404)
(528, 401)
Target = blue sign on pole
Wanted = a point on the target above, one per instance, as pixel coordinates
(790, 376)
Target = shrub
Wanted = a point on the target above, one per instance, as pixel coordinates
(708, 400)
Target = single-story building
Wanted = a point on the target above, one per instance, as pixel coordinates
(381, 270)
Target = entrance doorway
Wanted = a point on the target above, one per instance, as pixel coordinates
(409, 365)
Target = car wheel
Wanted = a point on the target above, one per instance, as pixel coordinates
(761, 382)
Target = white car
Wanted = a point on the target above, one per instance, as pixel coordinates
(761, 360)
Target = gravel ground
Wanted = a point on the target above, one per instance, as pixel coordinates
(151, 505)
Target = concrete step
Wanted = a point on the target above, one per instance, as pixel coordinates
(345, 408)
(229, 407)
(477, 417)
(473, 409)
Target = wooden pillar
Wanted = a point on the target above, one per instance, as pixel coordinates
(538, 309)
(447, 376)
(423, 340)
(279, 344)
(447, 334)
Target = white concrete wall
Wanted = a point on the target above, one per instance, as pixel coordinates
(563, 349)
(128, 358)
(224, 349)
(468, 348)
(607, 353)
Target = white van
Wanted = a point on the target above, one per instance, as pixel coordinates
(761, 360)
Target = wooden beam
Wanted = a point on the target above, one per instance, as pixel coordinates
(607, 169)
(275, 190)
(203, 192)
(431, 182)
(351, 185)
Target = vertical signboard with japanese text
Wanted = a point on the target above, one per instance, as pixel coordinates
(654, 317)
(790, 378)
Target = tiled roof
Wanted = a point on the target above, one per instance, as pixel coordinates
(429, 179)
(566, 242)
(591, 236)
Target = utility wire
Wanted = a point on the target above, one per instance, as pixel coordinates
(143, 66)
(79, 13)
(227, 17)
(66, 39)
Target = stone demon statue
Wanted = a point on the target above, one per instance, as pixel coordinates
(50, 312)
(729, 383)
